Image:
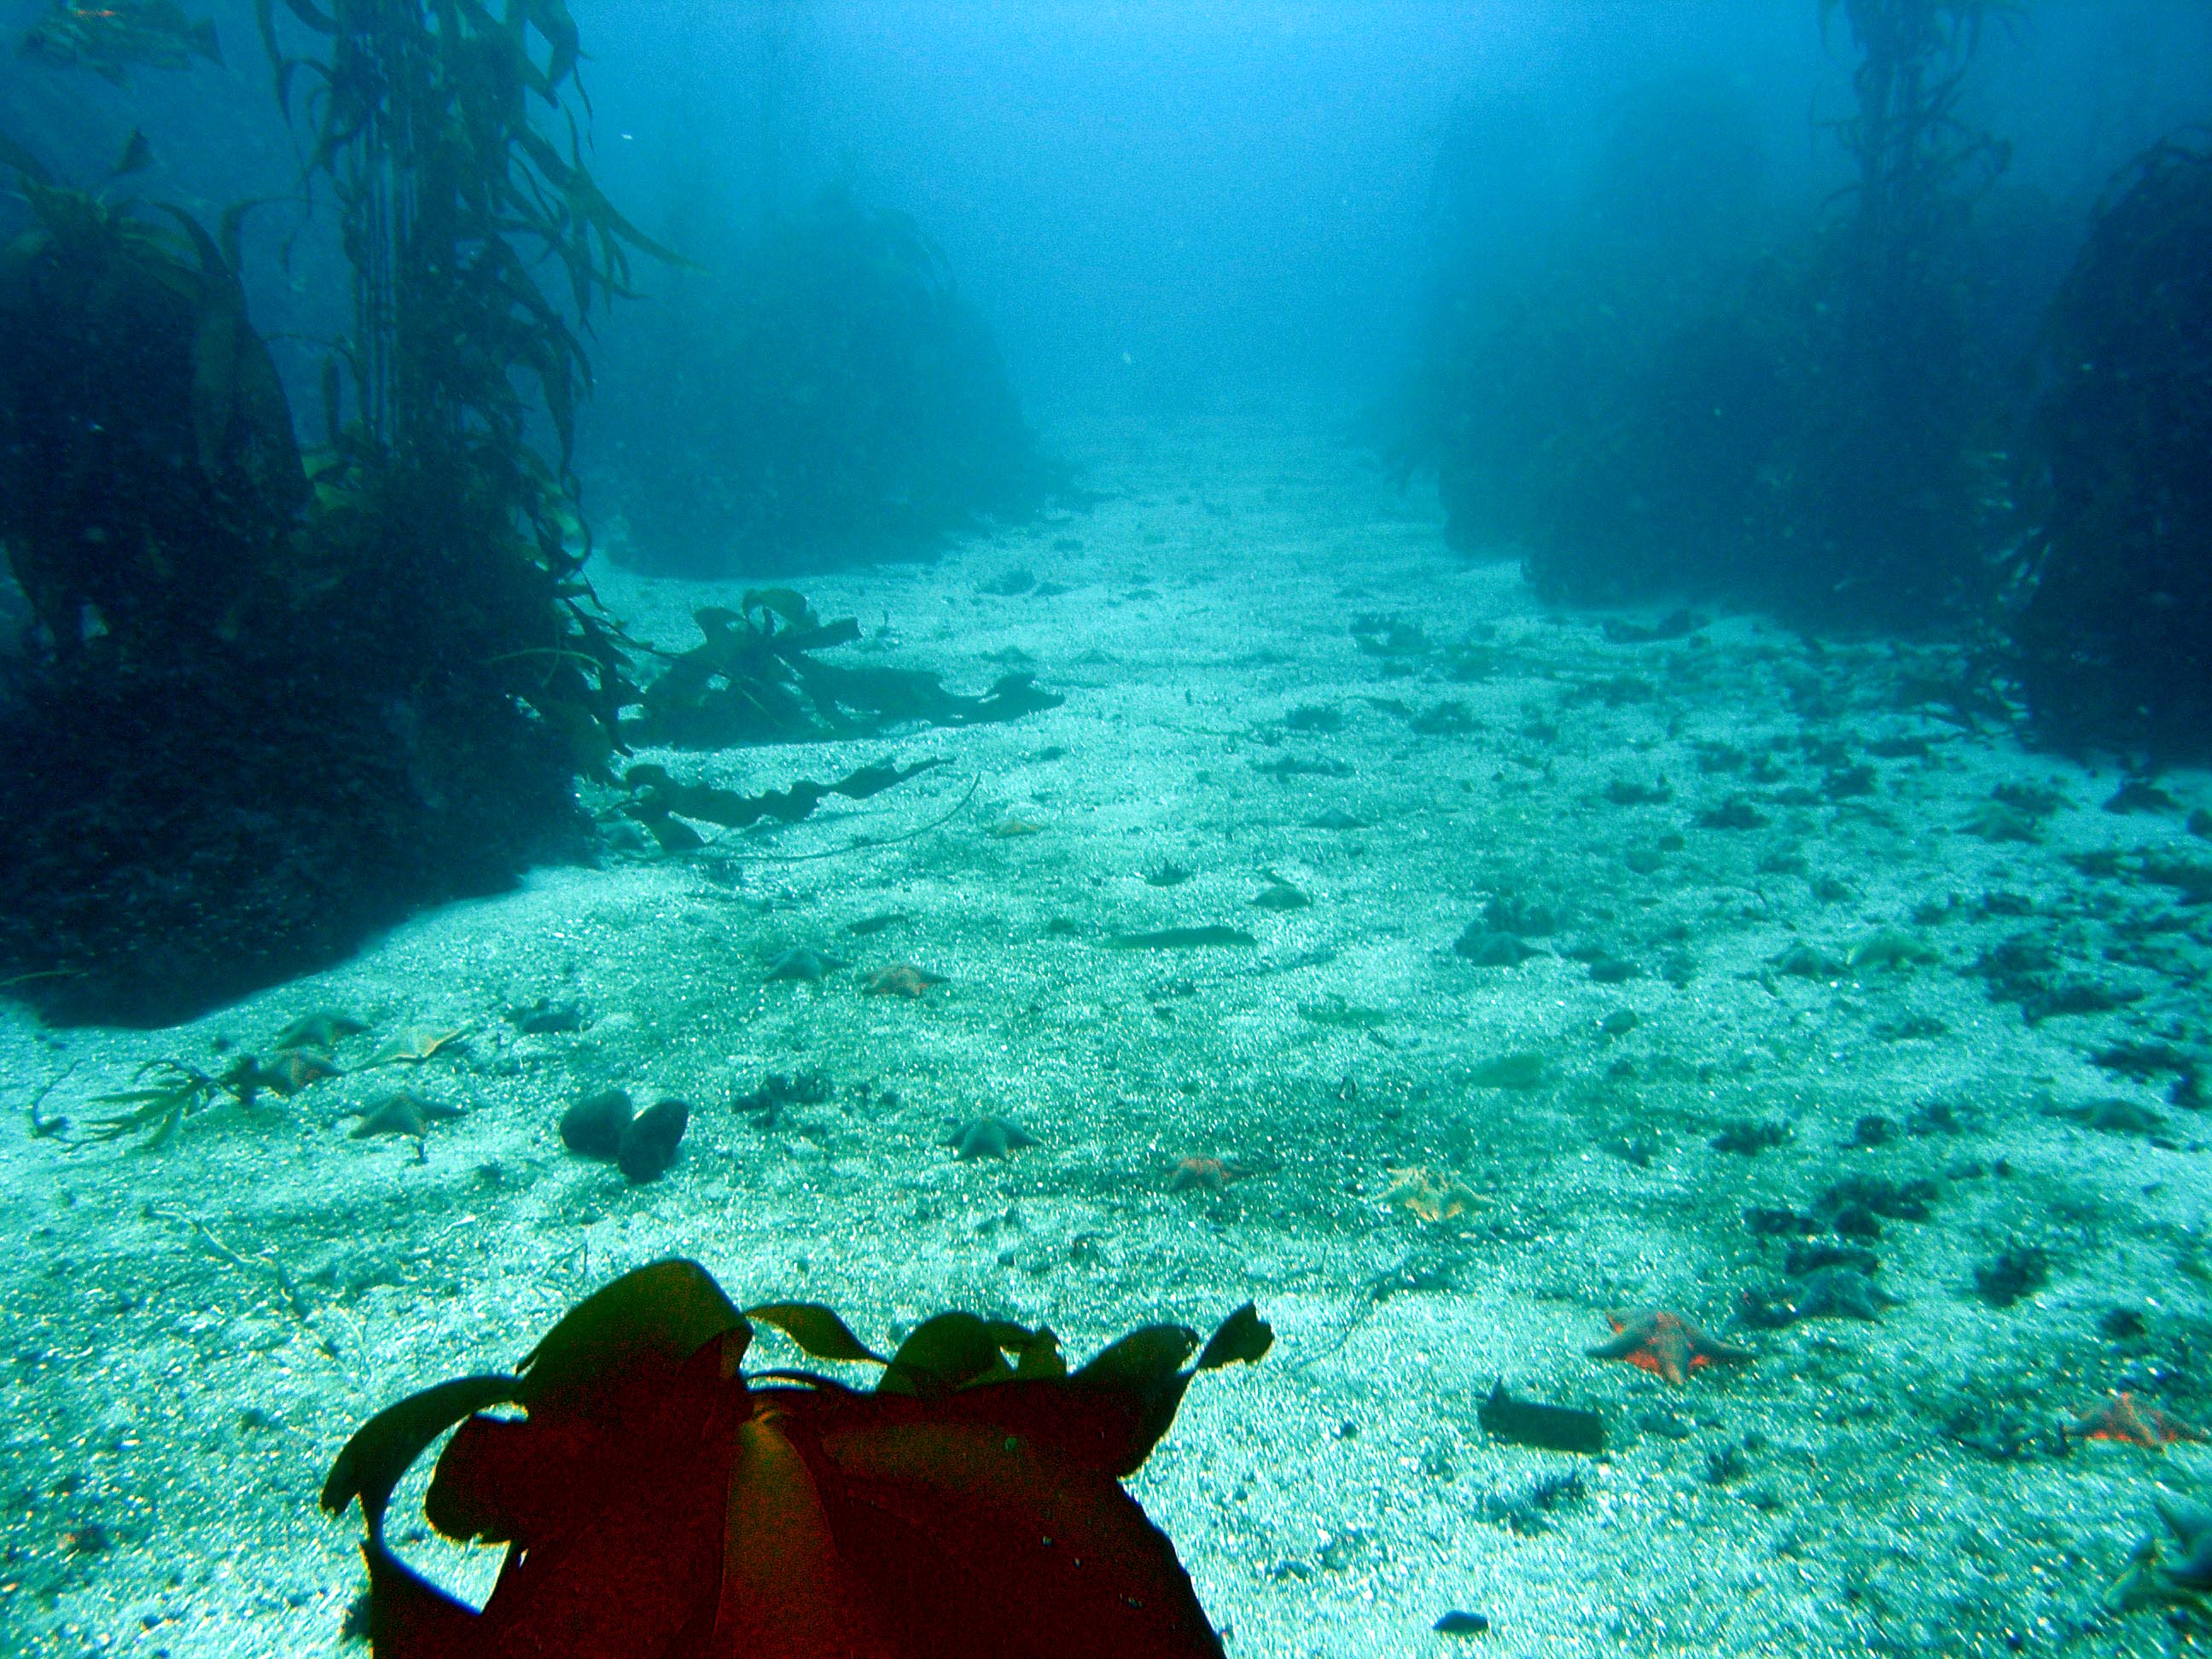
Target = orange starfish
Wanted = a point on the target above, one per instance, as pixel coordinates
(2123, 1417)
(1666, 1343)
(1208, 1174)
(902, 979)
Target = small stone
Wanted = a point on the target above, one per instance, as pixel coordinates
(546, 1018)
(648, 1144)
(1872, 1131)
(593, 1127)
(1484, 948)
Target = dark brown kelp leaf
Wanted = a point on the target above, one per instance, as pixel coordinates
(386, 1447)
(1243, 1338)
(957, 1529)
(658, 797)
(816, 1329)
(648, 1322)
(961, 1350)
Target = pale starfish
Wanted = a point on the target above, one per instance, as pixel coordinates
(416, 1044)
(403, 1112)
(323, 1028)
(987, 1137)
(805, 962)
(1428, 1197)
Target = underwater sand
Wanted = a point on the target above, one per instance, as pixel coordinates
(190, 1336)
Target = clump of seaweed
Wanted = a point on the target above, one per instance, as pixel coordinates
(1528, 1509)
(755, 679)
(164, 1093)
(2017, 1270)
(778, 1092)
(662, 804)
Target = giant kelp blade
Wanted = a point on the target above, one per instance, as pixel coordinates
(962, 1350)
(816, 1329)
(1143, 1360)
(1109, 1414)
(633, 1568)
(1243, 1338)
(510, 1480)
(980, 1545)
(626, 1336)
(383, 1448)
(785, 1591)
(410, 1618)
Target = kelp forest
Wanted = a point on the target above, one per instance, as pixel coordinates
(823, 394)
(289, 680)
(1856, 420)
(283, 693)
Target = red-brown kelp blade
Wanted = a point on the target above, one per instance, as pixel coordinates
(978, 1544)
(626, 1558)
(655, 1505)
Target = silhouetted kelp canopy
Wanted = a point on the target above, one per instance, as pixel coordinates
(271, 706)
(2112, 619)
(826, 397)
(1685, 394)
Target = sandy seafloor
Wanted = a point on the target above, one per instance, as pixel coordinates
(170, 1409)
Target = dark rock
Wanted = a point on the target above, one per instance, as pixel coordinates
(1734, 813)
(2141, 795)
(2016, 1271)
(1460, 1623)
(648, 1146)
(1506, 914)
(1484, 948)
(766, 1105)
(1871, 1132)
(1897, 1201)
(593, 1126)
(2121, 1325)
(1767, 1223)
(1748, 1139)
(544, 1018)
(1857, 1221)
